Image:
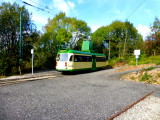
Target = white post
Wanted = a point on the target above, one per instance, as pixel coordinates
(32, 52)
(137, 53)
(136, 61)
(137, 56)
(32, 64)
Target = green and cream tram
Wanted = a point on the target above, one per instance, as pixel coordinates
(72, 60)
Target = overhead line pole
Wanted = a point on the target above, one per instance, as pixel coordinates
(124, 50)
(20, 43)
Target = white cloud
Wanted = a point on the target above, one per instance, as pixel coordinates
(143, 30)
(64, 5)
(39, 19)
(94, 27)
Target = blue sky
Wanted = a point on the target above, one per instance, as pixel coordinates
(97, 13)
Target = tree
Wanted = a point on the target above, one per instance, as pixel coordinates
(9, 37)
(152, 43)
(67, 31)
(123, 37)
(61, 32)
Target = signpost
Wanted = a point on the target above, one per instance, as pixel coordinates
(32, 52)
(137, 53)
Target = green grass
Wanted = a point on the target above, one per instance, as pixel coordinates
(145, 77)
(148, 69)
(145, 60)
(132, 61)
(151, 59)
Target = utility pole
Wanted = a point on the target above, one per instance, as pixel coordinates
(20, 43)
(109, 46)
(124, 50)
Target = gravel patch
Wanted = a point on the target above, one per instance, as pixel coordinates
(148, 109)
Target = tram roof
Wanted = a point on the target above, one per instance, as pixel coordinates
(79, 52)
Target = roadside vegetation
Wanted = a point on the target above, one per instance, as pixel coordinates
(149, 75)
(117, 40)
(131, 61)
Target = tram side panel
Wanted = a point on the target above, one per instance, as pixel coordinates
(82, 62)
(100, 62)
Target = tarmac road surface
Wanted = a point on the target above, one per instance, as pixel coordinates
(85, 96)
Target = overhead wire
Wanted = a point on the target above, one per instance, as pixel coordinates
(136, 8)
(41, 5)
(33, 6)
(38, 6)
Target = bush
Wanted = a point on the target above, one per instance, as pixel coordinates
(143, 59)
(117, 62)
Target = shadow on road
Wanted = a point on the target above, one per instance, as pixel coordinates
(82, 72)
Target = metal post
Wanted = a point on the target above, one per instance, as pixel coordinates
(137, 56)
(136, 61)
(32, 52)
(32, 64)
(20, 43)
(124, 50)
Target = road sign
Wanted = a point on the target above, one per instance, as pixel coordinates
(136, 52)
(32, 51)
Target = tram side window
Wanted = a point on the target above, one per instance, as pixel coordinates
(88, 59)
(76, 58)
(79, 58)
(100, 59)
(103, 59)
(97, 59)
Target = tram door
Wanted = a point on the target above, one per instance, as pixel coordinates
(93, 62)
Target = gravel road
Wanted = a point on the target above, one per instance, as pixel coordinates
(148, 109)
(86, 96)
